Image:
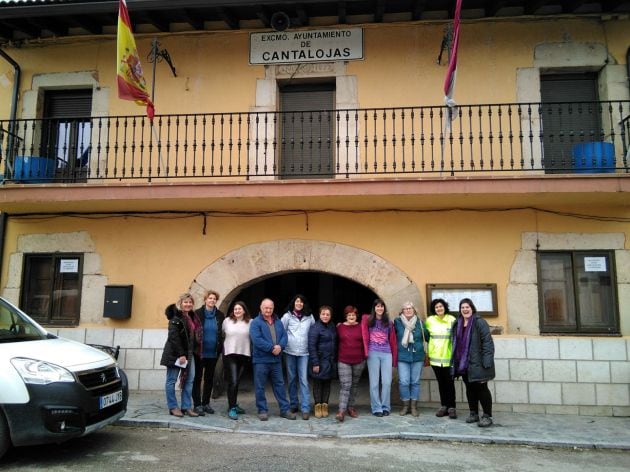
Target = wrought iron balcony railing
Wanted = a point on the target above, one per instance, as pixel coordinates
(517, 138)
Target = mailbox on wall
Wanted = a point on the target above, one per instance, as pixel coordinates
(117, 301)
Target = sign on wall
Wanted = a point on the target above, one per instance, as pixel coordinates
(289, 47)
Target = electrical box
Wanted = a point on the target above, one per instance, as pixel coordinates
(117, 301)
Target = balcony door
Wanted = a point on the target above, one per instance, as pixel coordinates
(569, 117)
(306, 124)
(66, 132)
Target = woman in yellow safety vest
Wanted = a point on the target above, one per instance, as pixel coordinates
(440, 347)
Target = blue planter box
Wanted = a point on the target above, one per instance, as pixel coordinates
(594, 158)
(33, 169)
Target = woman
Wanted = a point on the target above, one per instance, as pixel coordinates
(178, 357)
(236, 353)
(438, 329)
(297, 322)
(209, 319)
(322, 349)
(409, 336)
(351, 362)
(473, 360)
(380, 348)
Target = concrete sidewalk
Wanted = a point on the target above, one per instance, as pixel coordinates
(149, 409)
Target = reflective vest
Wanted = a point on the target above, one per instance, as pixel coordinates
(440, 344)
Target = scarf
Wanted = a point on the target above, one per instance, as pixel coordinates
(462, 345)
(297, 314)
(409, 327)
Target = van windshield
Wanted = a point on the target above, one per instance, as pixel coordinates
(15, 326)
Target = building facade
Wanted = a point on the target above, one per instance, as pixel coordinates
(321, 160)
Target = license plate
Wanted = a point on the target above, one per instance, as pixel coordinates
(111, 399)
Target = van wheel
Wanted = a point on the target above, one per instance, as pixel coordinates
(5, 441)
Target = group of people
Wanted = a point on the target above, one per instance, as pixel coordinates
(315, 351)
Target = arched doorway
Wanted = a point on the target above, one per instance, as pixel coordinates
(319, 288)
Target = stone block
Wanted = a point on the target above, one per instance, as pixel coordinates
(154, 338)
(157, 357)
(593, 371)
(128, 338)
(511, 392)
(122, 355)
(509, 348)
(559, 371)
(139, 359)
(575, 348)
(104, 336)
(522, 314)
(499, 407)
(596, 411)
(91, 263)
(562, 410)
(620, 372)
(621, 411)
(542, 348)
(609, 349)
(578, 394)
(622, 262)
(537, 409)
(152, 380)
(434, 391)
(523, 369)
(76, 334)
(612, 394)
(545, 393)
(502, 369)
(133, 378)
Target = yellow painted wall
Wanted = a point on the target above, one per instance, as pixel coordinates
(214, 74)
(161, 258)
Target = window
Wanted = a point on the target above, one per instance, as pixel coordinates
(569, 116)
(51, 289)
(307, 124)
(577, 292)
(66, 132)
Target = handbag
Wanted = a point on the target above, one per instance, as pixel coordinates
(427, 361)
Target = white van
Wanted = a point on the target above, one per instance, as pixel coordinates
(53, 389)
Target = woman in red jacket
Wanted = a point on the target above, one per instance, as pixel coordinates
(351, 362)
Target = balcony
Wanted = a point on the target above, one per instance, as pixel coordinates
(514, 139)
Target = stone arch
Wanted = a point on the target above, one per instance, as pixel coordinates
(254, 262)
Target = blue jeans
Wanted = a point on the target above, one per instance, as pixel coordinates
(262, 374)
(297, 371)
(409, 380)
(380, 374)
(172, 373)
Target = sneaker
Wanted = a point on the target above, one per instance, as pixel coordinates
(233, 414)
(385, 413)
(305, 415)
(473, 417)
(263, 416)
(208, 409)
(452, 413)
(190, 413)
(442, 412)
(378, 414)
(287, 415)
(239, 410)
(485, 421)
(199, 410)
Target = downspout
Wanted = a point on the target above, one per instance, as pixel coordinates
(3, 232)
(14, 100)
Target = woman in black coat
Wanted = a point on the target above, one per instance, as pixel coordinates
(473, 360)
(177, 356)
(322, 359)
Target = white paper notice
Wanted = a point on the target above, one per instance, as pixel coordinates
(595, 264)
(69, 266)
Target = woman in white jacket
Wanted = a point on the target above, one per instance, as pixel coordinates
(297, 321)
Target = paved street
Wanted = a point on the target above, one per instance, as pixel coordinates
(120, 448)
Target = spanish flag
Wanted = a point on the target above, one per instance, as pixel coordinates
(131, 83)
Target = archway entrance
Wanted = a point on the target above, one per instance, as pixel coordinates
(319, 288)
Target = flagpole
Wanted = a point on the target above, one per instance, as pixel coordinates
(154, 53)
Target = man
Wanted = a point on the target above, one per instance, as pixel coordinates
(268, 341)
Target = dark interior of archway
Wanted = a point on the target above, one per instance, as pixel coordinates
(319, 288)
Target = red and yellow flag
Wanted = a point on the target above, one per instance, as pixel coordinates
(131, 83)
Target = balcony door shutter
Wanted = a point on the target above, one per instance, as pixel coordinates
(569, 116)
(307, 123)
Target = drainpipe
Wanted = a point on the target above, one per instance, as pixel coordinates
(3, 233)
(14, 100)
